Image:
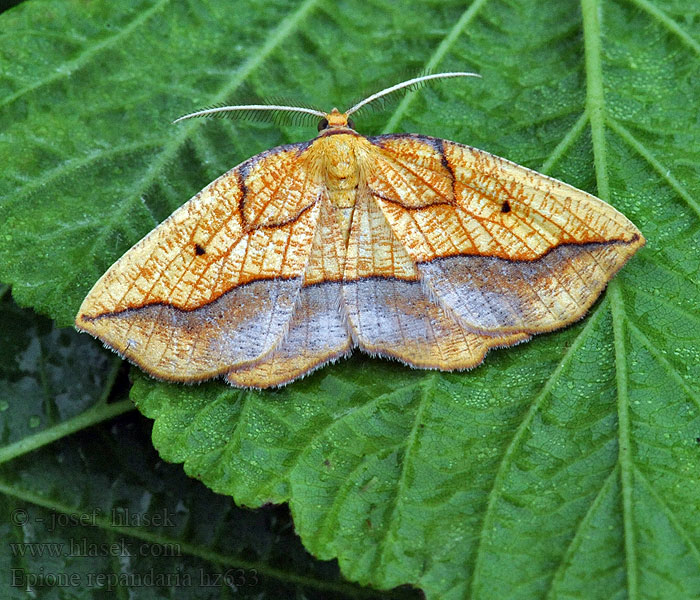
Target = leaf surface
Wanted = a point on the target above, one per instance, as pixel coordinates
(89, 509)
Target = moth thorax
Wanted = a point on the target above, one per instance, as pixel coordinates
(341, 161)
(342, 169)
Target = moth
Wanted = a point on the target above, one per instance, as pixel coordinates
(405, 246)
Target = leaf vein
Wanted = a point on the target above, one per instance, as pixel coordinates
(670, 514)
(566, 142)
(83, 58)
(578, 536)
(509, 453)
(467, 17)
(401, 483)
(667, 22)
(663, 361)
(647, 155)
(625, 444)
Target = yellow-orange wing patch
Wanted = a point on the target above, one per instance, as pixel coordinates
(215, 285)
(503, 249)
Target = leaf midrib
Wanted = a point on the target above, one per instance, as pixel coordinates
(595, 104)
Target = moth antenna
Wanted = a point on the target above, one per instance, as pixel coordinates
(285, 101)
(291, 118)
(250, 109)
(382, 103)
(405, 84)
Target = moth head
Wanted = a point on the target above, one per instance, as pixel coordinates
(335, 120)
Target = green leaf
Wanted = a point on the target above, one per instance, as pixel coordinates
(97, 511)
(565, 467)
(53, 382)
